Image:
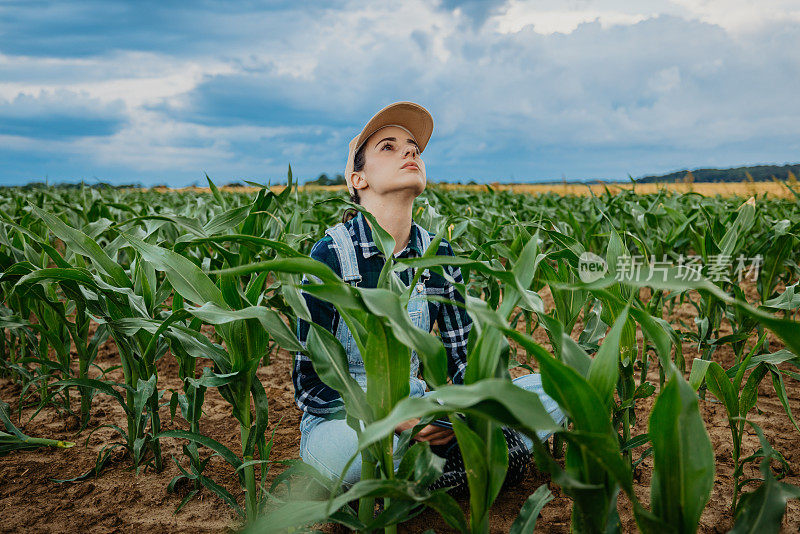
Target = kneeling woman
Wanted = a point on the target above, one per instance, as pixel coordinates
(384, 174)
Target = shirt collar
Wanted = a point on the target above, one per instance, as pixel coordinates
(363, 238)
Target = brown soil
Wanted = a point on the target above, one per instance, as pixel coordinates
(120, 500)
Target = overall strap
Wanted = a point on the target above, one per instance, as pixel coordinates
(426, 241)
(346, 252)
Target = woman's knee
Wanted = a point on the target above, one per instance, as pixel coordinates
(328, 446)
(533, 382)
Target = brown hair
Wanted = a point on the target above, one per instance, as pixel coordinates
(358, 164)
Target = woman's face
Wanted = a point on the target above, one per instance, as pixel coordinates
(392, 163)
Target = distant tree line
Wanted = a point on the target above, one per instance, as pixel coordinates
(759, 173)
(73, 185)
(324, 179)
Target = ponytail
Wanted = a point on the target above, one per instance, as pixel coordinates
(349, 213)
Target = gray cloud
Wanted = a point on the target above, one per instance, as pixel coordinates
(60, 114)
(266, 87)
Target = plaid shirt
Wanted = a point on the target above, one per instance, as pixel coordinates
(317, 398)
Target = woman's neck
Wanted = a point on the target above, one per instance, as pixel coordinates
(394, 216)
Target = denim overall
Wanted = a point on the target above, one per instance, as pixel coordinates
(327, 443)
(417, 307)
(339, 438)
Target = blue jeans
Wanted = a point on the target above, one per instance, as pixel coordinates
(327, 444)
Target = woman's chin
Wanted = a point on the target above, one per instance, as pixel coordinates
(418, 187)
(414, 184)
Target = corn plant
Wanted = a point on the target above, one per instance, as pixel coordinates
(245, 327)
(761, 510)
(112, 296)
(56, 329)
(739, 398)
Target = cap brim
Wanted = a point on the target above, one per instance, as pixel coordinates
(409, 115)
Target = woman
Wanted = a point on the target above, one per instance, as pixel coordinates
(384, 174)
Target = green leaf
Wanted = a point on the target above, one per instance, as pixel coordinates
(698, 373)
(529, 513)
(683, 475)
(739, 229)
(222, 493)
(721, 386)
(330, 363)
(604, 369)
(431, 351)
(99, 385)
(86, 246)
(788, 300)
(215, 191)
(493, 398)
(210, 379)
(496, 451)
(215, 446)
(227, 220)
(420, 464)
(749, 395)
(269, 319)
(388, 366)
(780, 390)
(16, 440)
(477, 468)
(254, 242)
(774, 263)
(185, 276)
(574, 356)
(300, 513)
(448, 509)
(788, 331)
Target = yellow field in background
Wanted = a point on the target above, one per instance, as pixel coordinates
(744, 189)
(707, 189)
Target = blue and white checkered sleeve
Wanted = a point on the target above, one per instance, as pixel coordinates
(311, 394)
(454, 325)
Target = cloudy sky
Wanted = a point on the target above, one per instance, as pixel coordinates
(165, 91)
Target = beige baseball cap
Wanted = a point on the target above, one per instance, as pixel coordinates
(408, 115)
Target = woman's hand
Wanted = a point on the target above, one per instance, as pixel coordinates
(435, 435)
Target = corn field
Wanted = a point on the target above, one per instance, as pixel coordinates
(657, 320)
